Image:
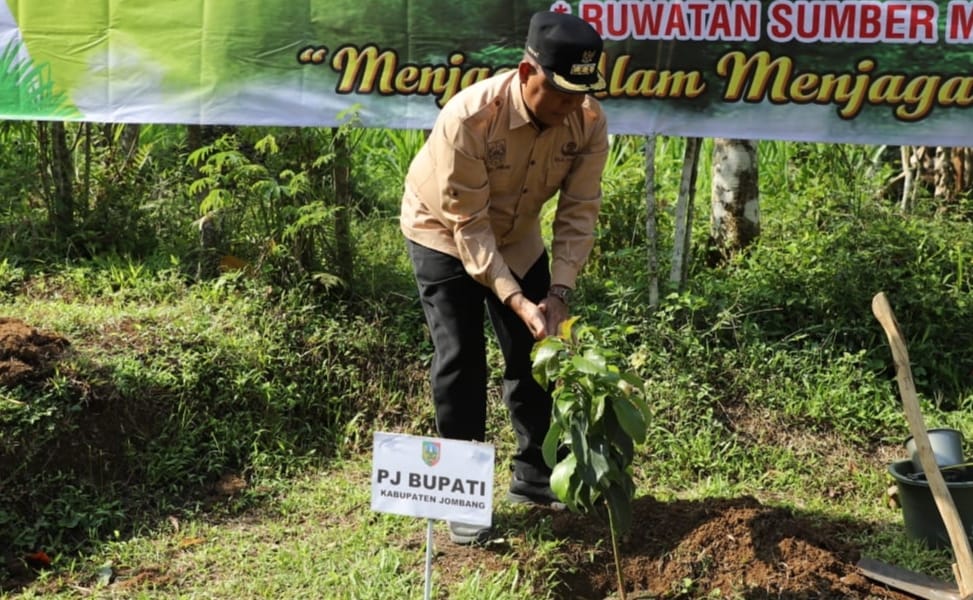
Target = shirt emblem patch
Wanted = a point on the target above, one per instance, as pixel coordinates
(496, 154)
(570, 149)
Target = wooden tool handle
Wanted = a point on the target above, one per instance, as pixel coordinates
(944, 501)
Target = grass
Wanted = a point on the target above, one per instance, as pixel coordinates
(311, 536)
(307, 531)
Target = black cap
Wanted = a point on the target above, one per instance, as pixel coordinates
(567, 49)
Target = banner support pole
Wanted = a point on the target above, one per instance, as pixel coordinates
(428, 593)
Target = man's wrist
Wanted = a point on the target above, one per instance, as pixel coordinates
(561, 292)
(513, 298)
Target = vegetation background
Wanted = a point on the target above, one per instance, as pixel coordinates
(240, 316)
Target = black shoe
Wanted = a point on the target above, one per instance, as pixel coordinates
(467, 534)
(529, 492)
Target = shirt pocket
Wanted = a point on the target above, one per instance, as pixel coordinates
(557, 171)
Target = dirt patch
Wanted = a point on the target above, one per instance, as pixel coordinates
(683, 550)
(737, 547)
(89, 427)
(715, 547)
(25, 352)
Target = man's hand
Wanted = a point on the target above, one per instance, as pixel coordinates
(555, 312)
(531, 314)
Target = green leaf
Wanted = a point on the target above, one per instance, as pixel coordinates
(267, 145)
(620, 506)
(587, 386)
(619, 440)
(640, 404)
(215, 200)
(323, 160)
(630, 418)
(599, 464)
(579, 443)
(561, 480)
(598, 407)
(587, 496)
(546, 349)
(587, 473)
(546, 360)
(584, 365)
(200, 155)
(617, 473)
(633, 380)
(551, 443)
(598, 411)
(565, 404)
(199, 185)
(596, 357)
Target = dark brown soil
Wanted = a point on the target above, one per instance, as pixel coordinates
(682, 550)
(737, 546)
(25, 352)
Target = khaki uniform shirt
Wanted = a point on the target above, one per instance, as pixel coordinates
(476, 188)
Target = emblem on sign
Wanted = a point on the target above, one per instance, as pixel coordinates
(430, 453)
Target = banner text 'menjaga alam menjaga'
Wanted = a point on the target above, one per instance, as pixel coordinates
(748, 78)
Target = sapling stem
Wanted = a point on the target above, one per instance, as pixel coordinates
(618, 562)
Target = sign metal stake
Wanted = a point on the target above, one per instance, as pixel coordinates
(428, 593)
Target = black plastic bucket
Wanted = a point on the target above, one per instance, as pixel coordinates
(919, 510)
(946, 444)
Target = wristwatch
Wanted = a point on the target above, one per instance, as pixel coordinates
(560, 292)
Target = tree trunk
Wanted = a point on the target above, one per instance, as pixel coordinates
(908, 185)
(208, 261)
(84, 204)
(194, 138)
(342, 194)
(210, 229)
(735, 221)
(129, 142)
(682, 247)
(198, 136)
(302, 242)
(62, 175)
(651, 225)
(946, 172)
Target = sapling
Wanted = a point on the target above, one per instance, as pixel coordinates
(599, 414)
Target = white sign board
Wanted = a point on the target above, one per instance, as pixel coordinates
(433, 478)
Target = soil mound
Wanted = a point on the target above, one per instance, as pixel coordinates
(25, 351)
(694, 549)
(735, 548)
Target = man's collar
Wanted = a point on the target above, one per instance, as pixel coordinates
(519, 115)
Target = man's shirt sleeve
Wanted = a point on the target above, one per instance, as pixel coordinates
(577, 208)
(464, 192)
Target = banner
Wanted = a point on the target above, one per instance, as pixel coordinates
(869, 71)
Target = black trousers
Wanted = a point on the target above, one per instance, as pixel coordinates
(453, 303)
